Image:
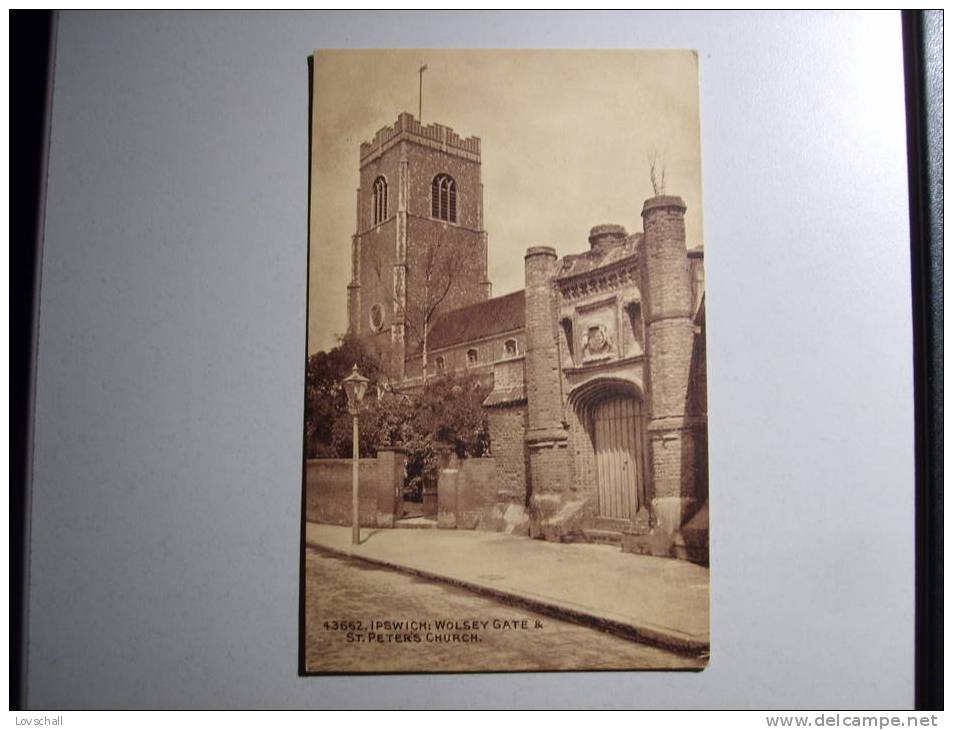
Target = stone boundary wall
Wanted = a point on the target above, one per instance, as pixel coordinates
(328, 489)
(466, 491)
(469, 498)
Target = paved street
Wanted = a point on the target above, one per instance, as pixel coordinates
(363, 618)
(661, 600)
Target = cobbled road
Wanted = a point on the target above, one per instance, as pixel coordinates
(360, 618)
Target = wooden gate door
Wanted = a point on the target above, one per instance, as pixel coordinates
(617, 432)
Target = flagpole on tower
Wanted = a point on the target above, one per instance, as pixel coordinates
(420, 95)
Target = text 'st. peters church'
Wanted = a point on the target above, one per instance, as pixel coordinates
(597, 400)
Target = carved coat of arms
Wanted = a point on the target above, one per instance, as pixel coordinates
(596, 342)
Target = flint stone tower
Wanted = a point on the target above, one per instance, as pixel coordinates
(419, 243)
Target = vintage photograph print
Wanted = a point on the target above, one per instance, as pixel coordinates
(506, 463)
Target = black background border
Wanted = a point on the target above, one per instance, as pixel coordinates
(923, 70)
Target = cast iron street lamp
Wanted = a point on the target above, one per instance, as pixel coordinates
(355, 385)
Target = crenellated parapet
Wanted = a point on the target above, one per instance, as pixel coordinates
(434, 136)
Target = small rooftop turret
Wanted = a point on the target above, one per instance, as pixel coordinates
(606, 235)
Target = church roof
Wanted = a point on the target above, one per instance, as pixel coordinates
(476, 321)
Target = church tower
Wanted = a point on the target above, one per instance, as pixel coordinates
(420, 248)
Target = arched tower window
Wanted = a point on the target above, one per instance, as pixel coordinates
(443, 198)
(377, 318)
(380, 200)
(510, 349)
(473, 357)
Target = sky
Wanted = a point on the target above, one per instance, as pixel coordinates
(566, 140)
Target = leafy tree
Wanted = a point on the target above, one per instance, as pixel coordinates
(448, 411)
(451, 409)
(325, 400)
(385, 420)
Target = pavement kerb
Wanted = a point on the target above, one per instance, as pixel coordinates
(654, 636)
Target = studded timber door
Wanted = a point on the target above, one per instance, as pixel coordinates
(617, 437)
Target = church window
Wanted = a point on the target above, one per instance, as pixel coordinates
(380, 200)
(472, 358)
(377, 318)
(509, 348)
(439, 364)
(443, 198)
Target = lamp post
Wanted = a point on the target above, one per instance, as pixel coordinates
(355, 385)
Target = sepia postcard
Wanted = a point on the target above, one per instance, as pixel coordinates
(506, 460)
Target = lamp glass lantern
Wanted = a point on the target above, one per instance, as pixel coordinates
(355, 385)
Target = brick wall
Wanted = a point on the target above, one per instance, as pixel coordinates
(669, 366)
(550, 461)
(542, 364)
(328, 489)
(673, 463)
(328, 495)
(666, 282)
(584, 457)
(455, 358)
(510, 372)
(466, 493)
(551, 469)
(476, 490)
(508, 446)
(670, 340)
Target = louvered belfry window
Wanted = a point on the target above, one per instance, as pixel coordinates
(443, 198)
(380, 200)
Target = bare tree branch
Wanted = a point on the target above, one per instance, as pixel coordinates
(440, 269)
(656, 173)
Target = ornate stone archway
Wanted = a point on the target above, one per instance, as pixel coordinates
(610, 438)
